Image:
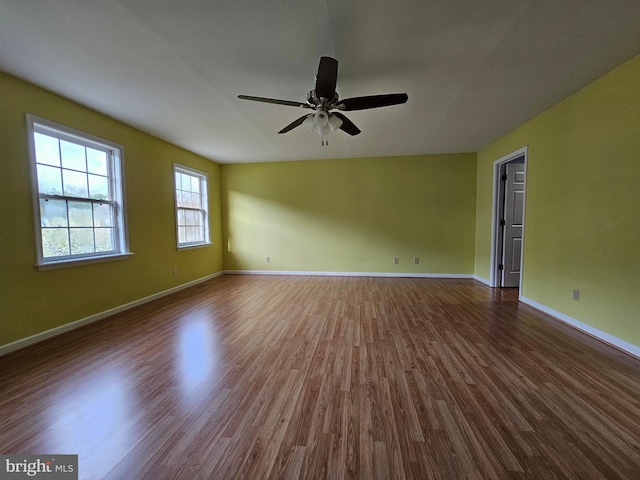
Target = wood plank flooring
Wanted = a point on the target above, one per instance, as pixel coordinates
(249, 377)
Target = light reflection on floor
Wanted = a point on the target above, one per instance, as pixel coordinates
(196, 355)
(93, 419)
(96, 413)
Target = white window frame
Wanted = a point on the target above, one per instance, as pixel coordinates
(203, 178)
(115, 154)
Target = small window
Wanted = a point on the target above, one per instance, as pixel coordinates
(78, 195)
(192, 207)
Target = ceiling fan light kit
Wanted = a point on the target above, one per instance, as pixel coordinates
(334, 122)
(310, 123)
(323, 98)
(322, 122)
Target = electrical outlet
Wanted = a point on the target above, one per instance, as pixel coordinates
(576, 295)
(268, 259)
(396, 260)
(416, 260)
(175, 271)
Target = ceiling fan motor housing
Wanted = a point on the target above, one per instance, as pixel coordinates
(315, 101)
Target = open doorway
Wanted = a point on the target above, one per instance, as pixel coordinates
(507, 234)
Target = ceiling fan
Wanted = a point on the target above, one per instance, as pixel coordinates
(323, 99)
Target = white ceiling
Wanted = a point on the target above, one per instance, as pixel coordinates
(473, 69)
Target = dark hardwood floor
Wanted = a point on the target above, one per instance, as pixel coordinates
(327, 377)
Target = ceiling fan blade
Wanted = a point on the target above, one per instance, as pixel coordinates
(347, 125)
(294, 124)
(326, 78)
(288, 103)
(373, 101)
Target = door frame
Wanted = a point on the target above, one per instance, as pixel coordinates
(495, 214)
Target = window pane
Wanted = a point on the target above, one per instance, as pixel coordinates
(73, 156)
(195, 185)
(53, 213)
(49, 181)
(97, 162)
(47, 150)
(194, 234)
(80, 214)
(181, 217)
(189, 217)
(81, 240)
(55, 242)
(179, 202)
(190, 236)
(186, 182)
(197, 218)
(102, 215)
(98, 187)
(75, 184)
(195, 200)
(104, 239)
(182, 234)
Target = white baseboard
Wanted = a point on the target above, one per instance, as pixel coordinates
(482, 280)
(605, 337)
(39, 337)
(347, 274)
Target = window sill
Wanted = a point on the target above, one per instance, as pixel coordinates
(191, 247)
(82, 261)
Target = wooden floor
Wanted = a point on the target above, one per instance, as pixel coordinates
(327, 377)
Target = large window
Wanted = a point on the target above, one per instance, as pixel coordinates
(192, 215)
(78, 195)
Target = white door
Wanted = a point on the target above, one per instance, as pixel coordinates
(513, 220)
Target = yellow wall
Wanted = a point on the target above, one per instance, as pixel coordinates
(32, 301)
(352, 215)
(582, 226)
